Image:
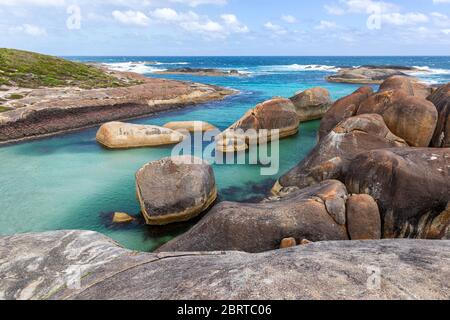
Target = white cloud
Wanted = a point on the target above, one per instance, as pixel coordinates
(289, 19)
(43, 3)
(232, 22)
(192, 22)
(29, 29)
(399, 19)
(275, 28)
(195, 3)
(131, 17)
(324, 24)
(441, 20)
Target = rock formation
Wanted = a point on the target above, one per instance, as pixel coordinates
(175, 189)
(312, 104)
(342, 109)
(409, 117)
(330, 158)
(410, 185)
(317, 213)
(369, 74)
(441, 99)
(120, 135)
(84, 265)
(190, 126)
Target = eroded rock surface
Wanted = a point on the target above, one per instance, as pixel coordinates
(410, 185)
(44, 266)
(175, 189)
(441, 99)
(312, 104)
(330, 158)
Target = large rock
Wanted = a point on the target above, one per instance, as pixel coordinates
(330, 158)
(316, 213)
(312, 104)
(410, 86)
(175, 189)
(368, 74)
(342, 109)
(88, 266)
(190, 126)
(441, 99)
(409, 117)
(275, 114)
(363, 218)
(410, 185)
(120, 135)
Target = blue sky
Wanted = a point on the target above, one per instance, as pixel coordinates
(227, 27)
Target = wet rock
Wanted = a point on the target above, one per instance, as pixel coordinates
(120, 135)
(441, 99)
(363, 218)
(342, 109)
(409, 117)
(330, 158)
(316, 213)
(39, 266)
(312, 104)
(411, 187)
(175, 189)
(121, 217)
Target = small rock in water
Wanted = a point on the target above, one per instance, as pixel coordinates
(288, 243)
(120, 217)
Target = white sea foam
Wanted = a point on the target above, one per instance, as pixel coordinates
(427, 70)
(298, 68)
(170, 63)
(137, 67)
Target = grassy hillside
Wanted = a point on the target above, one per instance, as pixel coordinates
(33, 70)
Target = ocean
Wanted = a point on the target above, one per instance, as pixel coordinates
(70, 182)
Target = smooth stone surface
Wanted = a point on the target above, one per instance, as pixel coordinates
(342, 109)
(409, 117)
(408, 85)
(411, 187)
(330, 158)
(190, 126)
(42, 266)
(312, 104)
(120, 135)
(274, 114)
(175, 189)
(441, 99)
(288, 243)
(316, 213)
(121, 217)
(363, 218)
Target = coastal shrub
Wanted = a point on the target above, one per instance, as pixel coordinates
(33, 70)
(15, 96)
(3, 109)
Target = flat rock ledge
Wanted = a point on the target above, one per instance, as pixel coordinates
(49, 111)
(88, 265)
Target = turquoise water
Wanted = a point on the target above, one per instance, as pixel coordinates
(70, 182)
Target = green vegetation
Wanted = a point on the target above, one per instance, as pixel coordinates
(3, 109)
(15, 96)
(33, 70)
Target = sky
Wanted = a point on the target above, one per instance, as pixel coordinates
(227, 27)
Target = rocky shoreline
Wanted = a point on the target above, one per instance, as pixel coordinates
(84, 265)
(203, 72)
(49, 111)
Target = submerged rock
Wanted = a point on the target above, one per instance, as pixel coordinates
(342, 109)
(120, 135)
(316, 213)
(190, 126)
(175, 189)
(409, 117)
(410, 185)
(330, 158)
(45, 267)
(121, 217)
(312, 104)
(441, 99)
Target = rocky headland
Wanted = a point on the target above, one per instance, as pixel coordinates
(370, 74)
(33, 106)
